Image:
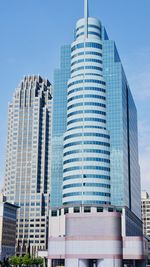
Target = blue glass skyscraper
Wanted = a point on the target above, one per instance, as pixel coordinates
(61, 77)
(121, 123)
(97, 223)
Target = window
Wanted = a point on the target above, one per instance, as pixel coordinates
(99, 209)
(110, 209)
(87, 209)
(76, 209)
(66, 210)
(54, 213)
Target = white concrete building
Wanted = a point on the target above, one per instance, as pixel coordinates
(28, 161)
(145, 204)
(100, 236)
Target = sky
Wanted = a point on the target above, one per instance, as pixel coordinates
(32, 32)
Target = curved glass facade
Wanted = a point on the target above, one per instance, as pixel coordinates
(86, 173)
(121, 121)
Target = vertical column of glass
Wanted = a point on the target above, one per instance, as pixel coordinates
(86, 166)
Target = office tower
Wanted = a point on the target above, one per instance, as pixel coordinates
(8, 214)
(86, 173)
(121, 123)
(28, 161)
(88, 230)
(61, 77)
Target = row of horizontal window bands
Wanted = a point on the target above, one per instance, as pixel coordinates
(89, 32)
(86, 184)
(86, 127)
(89, 25)
(86, 104)
(87, 89)
(32, 241)
(87, 168)
(87, 68)
(87, 143)
(86, 96)
(87, 60)
(86, 44)
(86, 176)
(86, 120)
(86, 81)
(95, 151)
(99, 112)
(87, 134)
(87, 194)
(86, 159)
(87, 53)
(87, 202)
(86, 209)
(80, 74)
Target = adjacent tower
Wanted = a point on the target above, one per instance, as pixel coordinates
(28, 161)
(61, 77)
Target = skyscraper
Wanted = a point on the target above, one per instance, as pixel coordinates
(99, 223)
(86, 163)
(28, 161)
(121, 124)
(61, 77)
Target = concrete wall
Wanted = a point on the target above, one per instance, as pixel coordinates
(79, 237)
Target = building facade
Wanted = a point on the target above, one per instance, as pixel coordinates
(145, 205)
(8, 216)
(95, 236)
(28, 161)
(121, 124)
(86, 161)
(61, 77)
(101, 182)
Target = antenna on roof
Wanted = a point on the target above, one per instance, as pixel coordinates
(86, 15)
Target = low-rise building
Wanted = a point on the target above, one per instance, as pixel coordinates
(145, 204)
(7, 228)
(98, 236)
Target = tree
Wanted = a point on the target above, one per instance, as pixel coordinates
(15, 260)
(26, 260)
(38, 261)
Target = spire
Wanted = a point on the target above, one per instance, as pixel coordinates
(86, 9)
(86, 14)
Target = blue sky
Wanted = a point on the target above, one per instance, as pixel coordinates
(32, 31)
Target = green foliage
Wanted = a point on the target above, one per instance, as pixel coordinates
(25, 261)
(15, 260)
(39, 261)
